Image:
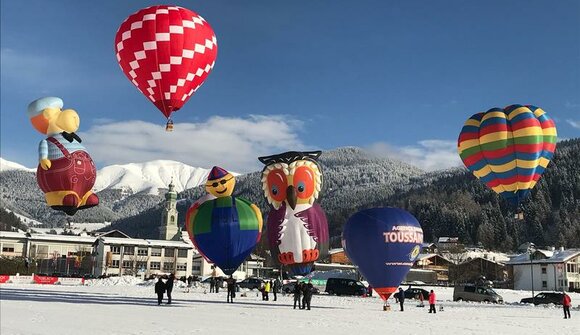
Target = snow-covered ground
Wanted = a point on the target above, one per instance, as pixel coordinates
(128, 306)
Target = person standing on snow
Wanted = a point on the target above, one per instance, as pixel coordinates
(267, 291)
(169, 287)
(276, 287)
(308, 291)
(160, 290)
(432, 302)
(401, 297)
(218, 284)
(231, 289)
(297, 294)
(566, 303)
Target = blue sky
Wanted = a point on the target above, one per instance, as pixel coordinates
(397, 77)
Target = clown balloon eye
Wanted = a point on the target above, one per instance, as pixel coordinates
(274, 190)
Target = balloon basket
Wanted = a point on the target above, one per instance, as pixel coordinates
(169, 126)
(386, 307)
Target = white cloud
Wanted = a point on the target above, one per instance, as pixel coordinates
(233, 143)
(573, 123)
(426, 154)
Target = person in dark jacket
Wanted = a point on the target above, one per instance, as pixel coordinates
(276, 287)
(169, 287)
(297, 294)
(308, 291)
(231, 289)
(218, 284)
(401, 297)
(160, 290)
(212, 285)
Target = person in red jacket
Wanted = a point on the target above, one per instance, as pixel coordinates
(566, 302)
(432, 302)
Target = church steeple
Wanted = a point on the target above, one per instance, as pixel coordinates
(168, 229)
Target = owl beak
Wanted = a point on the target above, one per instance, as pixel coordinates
(291, 196)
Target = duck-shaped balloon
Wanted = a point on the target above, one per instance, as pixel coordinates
(225, 229)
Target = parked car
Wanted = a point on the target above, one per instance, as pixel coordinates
(343, 286)
(543, 298)
(289, 288)
(414, 292)
(251, 283)
(470, 292)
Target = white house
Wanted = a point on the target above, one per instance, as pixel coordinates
(132, 256)
(53, 253)
(554, 270)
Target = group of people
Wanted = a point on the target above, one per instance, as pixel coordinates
(164, 287)
(303, 295)
(214, 284)
(270, 286)
(400, 298)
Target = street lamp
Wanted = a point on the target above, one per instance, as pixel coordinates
(531, 250)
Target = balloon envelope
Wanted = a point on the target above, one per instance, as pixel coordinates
(166, 52)
(508, 149)
(225, 231)
(383, 243)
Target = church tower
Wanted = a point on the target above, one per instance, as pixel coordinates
(169, 229)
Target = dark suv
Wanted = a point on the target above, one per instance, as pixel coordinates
(414, 293)
(545, 298)
(342, 286)
(251, 283)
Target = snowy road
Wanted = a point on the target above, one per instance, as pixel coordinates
(37, 309)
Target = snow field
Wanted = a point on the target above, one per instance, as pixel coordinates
(128, 306)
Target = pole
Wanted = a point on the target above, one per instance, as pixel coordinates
(532, 272)
(555, 287)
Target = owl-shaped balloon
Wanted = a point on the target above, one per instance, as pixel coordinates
(297, 227)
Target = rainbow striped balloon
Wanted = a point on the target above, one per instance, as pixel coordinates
(508, 149)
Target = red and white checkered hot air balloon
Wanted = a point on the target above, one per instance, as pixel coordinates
(167, 52)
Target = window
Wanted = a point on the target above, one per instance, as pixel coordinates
(181, 267)
(127, 264)
(196, 267)
(182, 253)
(8, 248)
(172, 218)
(42, 251)
(128, 250)
(544, 284)
(115, 263)
(155, 252)
(155, 265)
(141, 266)
(544, 270)
(169, 252)
(142, 252)
(115, 249)
(167, 266)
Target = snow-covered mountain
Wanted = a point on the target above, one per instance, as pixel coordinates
(6, 165)
(150, 176)
(124, 190)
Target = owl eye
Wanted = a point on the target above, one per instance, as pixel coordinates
(301, 186)
(277, 183)
(304, 182)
